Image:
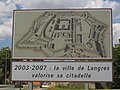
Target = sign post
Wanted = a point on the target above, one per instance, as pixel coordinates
(86, 86)
(30, 86)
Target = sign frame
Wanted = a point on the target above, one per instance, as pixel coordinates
(66, 62)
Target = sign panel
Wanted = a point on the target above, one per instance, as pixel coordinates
(62, 71)
(62, 34)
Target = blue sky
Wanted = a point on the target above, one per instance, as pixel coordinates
(7, 7)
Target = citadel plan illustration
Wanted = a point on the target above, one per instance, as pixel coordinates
(66, 34)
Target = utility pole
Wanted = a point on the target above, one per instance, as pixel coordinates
(6, 60)
(6, 66)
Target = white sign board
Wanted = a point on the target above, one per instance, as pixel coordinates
(62, 71)
(62, 34)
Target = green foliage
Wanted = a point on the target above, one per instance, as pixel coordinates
(59, 87)
(5, 52)
(116, 69)
(5, 57)
(68, 87)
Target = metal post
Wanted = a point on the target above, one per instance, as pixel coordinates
(86, 86)
(20, 86)
(30, 86)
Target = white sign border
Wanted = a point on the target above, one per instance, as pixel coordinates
(66, 64)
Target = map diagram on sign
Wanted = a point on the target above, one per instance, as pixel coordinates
(68, 34)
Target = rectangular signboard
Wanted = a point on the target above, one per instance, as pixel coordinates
(62, 34)
(62, 71)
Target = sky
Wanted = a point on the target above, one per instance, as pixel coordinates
(7, 7)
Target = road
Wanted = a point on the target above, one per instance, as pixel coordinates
(11, 87)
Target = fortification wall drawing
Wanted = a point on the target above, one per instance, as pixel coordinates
(69, 34)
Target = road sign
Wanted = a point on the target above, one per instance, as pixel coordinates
(62, 34)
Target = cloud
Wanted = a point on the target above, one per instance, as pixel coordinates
(6, 11)
(106, 4)
(116, 33)
(52, 3)
(6, 29)
(7, 7)
(36, 4)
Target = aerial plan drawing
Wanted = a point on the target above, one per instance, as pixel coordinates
(66, 34)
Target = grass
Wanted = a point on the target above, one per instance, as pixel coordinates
(57, 88)
(25, 87)
(68, 88)
(61, 87)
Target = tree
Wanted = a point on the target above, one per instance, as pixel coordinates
(5, 57)
(116, 68)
